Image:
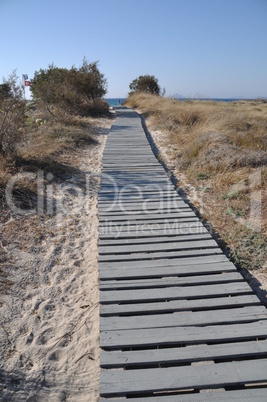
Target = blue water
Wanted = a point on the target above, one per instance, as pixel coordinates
(115, 101)
(119, 101)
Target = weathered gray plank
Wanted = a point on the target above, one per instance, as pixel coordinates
(148, 181)
(152, 247)
(189, 354)
(204, 264)
(164, 254)
(171, 269)
(181, 335)
(172, 293)
(115, 383)
(143, 191)
(108, 211)
(171, 202)
(118, 199)
(185, 318)
(181, 234)
(148, 215)
(168, 238)
(137, 194)
(143, 209)
(125, 229)
(178, 305)
(149, 198)
(255, 394)
(171, 281)
(152, 224)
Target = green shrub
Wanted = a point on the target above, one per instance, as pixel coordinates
(145, 83)
(65, 92)
(12, 114)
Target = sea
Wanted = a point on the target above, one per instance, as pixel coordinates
(119, 101)
(115, 101)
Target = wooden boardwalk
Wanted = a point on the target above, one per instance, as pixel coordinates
(177, 320)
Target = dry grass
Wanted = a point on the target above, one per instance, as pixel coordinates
(46, 145)
(220, 149)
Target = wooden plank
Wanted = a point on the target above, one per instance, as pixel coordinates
(109, 210)
(149, 205)
(150, 237)
(124, 231)
(160, 255)
(152, 247)
(154, 240)
(145, 189)
(171, 281)
(163, 225)
(141, 205)
(255, 394)
(185, 318)
(150, 178)
(128, 231)
(151, 223)
(156, 196)
(145, 216)
(160, 199)
(133, 169)
(141, 199)
(130, 161)
(172, 293)
(169, 270)
(178, 305)
(140, 338)
(204, 264)
(188, 354)
(115, 383)
(138, 196)
(116, 157)
(148, 181)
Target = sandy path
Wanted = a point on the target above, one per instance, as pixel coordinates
(49, 322)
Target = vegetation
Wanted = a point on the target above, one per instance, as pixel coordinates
(218, 152)
(48, 132)
(145, 83)
(62, 92)
(12, 114)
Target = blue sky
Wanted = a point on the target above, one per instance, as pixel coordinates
(215, 48)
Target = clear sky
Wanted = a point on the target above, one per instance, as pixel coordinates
(215, 48)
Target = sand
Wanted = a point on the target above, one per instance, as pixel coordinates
(49, 317)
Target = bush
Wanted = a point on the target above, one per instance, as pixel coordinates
(75, 91)
(12, 114)
(145, 83)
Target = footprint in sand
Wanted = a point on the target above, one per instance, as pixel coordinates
(44, 337)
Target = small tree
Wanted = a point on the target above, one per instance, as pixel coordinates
(92, 83)
(69, 91)
(12, 114)
(145, 83)
(48, 84)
